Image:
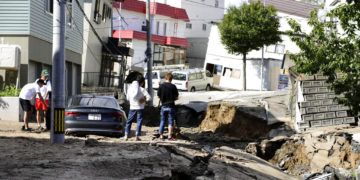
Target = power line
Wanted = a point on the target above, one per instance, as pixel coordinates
(96, 34)
(82, 36)
(120, 16)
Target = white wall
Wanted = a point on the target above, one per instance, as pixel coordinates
(170, 26)
(92, 48)
(202, 13)
(137, 61)
(134, 20)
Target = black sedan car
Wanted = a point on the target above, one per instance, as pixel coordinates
(99, 115)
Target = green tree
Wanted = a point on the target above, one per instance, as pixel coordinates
(332, 48)
(249, 27)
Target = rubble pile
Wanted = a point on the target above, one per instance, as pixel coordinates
(312, 153)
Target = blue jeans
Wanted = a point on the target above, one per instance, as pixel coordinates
(138, 113)
(170, 112)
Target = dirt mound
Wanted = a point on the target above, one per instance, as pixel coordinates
(312, 153)
(245, 121)
(292, 157)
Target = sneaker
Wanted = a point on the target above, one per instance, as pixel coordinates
(171, 139)
(25, 129)
(125, 138)
(137, 139)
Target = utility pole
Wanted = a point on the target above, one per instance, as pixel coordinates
(58, 74)
(261, 68)
(262, 62)
(148, 52)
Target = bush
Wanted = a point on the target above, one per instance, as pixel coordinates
(10, 91)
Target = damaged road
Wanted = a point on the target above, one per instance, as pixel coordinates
(30, 155)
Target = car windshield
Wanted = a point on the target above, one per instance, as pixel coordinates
(93, 102)
(179, 76)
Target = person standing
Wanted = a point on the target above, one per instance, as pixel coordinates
(137, 96)
(46, 92)
(168, 94)
(28, 93)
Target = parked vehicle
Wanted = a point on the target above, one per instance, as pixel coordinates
(90, 114)
(157, 78)
(192, 80)
(158, 74)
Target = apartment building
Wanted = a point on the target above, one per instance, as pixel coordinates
(28, 25)
(169, 43)
(103, 56)
(262, 73)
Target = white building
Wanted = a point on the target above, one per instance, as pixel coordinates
(102, 55)
(28, 24)
(227, 67)
(202, 15)
(169, 42)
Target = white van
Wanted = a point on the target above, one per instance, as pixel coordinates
(158, 74)
(157, 78)
(192, 80)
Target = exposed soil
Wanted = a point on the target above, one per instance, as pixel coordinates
(244, 122)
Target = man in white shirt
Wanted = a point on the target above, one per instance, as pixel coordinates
(28, 93)
(137, 96)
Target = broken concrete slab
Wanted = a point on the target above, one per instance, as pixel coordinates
(228, 163)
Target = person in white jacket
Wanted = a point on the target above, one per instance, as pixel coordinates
(137, 96)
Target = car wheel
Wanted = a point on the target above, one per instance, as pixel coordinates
(208, 88)
(192, 89)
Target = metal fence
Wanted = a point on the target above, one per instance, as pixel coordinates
(95, 83)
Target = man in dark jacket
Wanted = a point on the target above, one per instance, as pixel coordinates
(168, 94)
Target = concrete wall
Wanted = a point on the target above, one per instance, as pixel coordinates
(197, 49)
(10, 109)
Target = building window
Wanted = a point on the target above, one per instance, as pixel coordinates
(157, 28)
(204, 27)
(165, 29)
(97, 15)
(280, 49)
(49, 6)
(216, 3)
(188, 26)
(104, 11)
(276, 48)
(231, 73)
(69, 14)
(175, 29)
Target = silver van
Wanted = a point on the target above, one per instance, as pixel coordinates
(192, 80)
